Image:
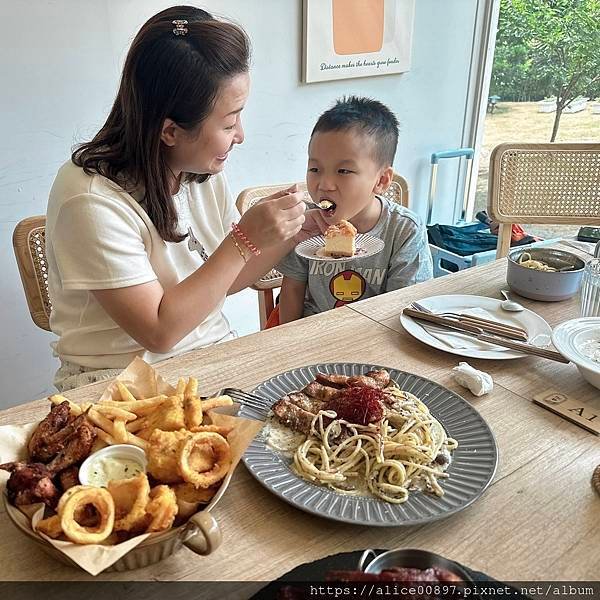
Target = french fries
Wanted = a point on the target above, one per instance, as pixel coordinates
(108, 439)
(136, 441)
(116, 413)
(191, 389)
(216, 402)
(76, 409)
(192, 405)
(100, 421)
(119, 432)
(125, 419)
(220, 429)
(126, 395)
(139, 407)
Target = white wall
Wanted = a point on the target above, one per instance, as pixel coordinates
(59, 68)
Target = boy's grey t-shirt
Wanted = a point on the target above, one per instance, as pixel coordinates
(404, 260)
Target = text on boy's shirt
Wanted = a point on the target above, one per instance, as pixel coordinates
(327, 269)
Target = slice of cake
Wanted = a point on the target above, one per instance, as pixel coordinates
(340, 240)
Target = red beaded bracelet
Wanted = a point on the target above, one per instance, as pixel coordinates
(242, 236)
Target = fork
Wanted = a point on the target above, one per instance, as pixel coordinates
(252, 401)
(508, 331)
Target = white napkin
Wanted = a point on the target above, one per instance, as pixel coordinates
(478, 382)
(454, 339)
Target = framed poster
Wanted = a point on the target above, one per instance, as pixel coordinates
(356, 38)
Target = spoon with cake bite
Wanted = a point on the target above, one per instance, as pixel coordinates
(323, 204)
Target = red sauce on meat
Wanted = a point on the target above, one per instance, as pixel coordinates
(360, 405)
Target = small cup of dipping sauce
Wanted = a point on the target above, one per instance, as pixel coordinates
(122, 461)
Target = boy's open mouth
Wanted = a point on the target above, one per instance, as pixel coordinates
(328, 206)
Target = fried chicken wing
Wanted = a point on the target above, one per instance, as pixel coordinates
(30, 483)
(61, 439)
(42, 445)
(76, 446)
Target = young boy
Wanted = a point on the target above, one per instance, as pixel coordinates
(350, 157)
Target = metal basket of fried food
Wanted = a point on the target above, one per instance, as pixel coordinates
(170, 508)
(201, 534)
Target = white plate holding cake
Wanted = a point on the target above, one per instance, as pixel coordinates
(340, 243)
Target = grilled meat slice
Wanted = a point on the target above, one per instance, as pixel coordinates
(382, 377)
(293, 416)
(42, 445)
(375, 379)
(30, 483)
(362, 381)
(389, 400)
(332, 380)
(297, 409)
(320, 391)
(311, 405)
(76, 446)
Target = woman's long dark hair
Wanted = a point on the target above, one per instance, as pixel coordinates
(165, 76)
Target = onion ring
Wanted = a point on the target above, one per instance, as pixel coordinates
(101, 500)
(67, 494)
(222, 455)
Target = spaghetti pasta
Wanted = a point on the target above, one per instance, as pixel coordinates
(388, 458)
(536, 265)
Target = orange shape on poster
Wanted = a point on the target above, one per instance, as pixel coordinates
(358, 26)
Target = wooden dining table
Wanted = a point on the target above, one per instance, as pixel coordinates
(538, 520)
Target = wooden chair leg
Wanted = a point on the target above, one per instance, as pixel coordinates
(504, 235)
(265, 306)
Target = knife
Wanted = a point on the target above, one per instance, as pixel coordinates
(477, 333)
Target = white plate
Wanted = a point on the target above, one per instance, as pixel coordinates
(366, 245)
(538, 331)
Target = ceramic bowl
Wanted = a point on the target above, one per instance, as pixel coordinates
(126, 451)
(569, 337)
(548, 286)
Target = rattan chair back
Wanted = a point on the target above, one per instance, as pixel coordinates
(29, 243)
(543, 183)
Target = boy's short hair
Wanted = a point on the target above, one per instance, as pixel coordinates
(367, 116)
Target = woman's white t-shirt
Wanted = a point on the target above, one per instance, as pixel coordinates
(99, 237)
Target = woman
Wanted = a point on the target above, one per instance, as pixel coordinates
(142, 241)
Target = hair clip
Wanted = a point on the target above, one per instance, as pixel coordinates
(180, 27)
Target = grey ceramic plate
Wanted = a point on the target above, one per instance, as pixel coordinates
(471, 471)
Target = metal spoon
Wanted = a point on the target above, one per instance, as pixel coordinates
(510, 305)
(323, 204)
